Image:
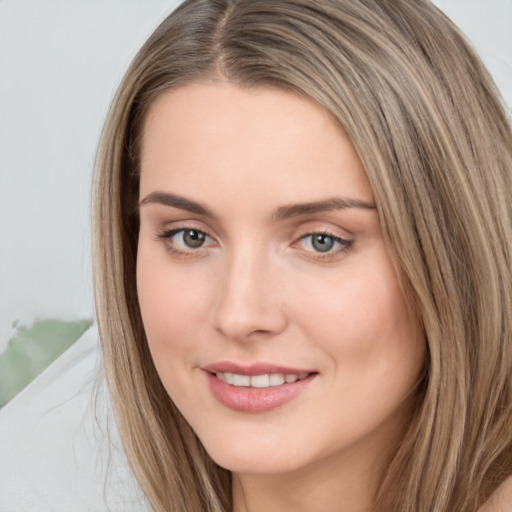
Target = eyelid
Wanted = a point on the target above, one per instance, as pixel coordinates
(166, 236)
(167, 232)
(163, 229)
(338, 238)
(345, 243)
(323, 228)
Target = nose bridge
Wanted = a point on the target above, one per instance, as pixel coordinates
(248, 301)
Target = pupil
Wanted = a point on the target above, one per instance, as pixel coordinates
(193, 238)
(322, 243)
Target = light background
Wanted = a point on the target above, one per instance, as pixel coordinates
(60, 62)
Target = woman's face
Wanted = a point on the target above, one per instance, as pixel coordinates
(272, 310)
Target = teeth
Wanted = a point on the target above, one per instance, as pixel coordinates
(241, 380)
(276, 379)
(259, 381)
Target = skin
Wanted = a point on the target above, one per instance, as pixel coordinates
(258, 290)
(501, 499)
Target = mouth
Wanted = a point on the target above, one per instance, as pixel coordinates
(265, 380)
(256, 388)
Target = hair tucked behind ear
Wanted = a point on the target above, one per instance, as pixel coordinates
(427, 122)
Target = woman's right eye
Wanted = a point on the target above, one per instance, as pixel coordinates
(185, 239)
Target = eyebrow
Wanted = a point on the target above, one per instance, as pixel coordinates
(334, 203)
(167, 199)
(282, 213)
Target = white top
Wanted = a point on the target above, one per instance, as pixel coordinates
(59, 445)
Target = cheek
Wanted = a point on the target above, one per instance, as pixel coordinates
(170, 303)
(170, 300)
(376, 353)
(363, 322)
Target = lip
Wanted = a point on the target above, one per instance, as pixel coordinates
(254, 368)
(255, 400)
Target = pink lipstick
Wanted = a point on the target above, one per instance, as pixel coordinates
(258, 387)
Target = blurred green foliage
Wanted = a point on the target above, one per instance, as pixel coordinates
(32, 349)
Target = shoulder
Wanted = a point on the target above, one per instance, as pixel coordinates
(59, 443)
(501, 499)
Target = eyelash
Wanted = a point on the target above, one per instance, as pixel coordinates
(344, 245)
(167, 236)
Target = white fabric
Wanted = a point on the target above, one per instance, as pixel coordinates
(59, 445)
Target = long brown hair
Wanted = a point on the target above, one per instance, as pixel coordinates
(429, 127)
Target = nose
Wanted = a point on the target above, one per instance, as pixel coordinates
(249, 302)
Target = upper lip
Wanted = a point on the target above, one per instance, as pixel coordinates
(254, 368)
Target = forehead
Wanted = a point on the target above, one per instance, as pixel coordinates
(255, 140)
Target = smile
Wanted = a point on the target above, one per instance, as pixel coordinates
(256, 388)
(265, 380)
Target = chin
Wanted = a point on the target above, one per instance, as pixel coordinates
(254, 465)
(260, 455)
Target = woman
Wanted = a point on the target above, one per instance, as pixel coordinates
(303, 261)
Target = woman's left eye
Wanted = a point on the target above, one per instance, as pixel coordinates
(323, 243)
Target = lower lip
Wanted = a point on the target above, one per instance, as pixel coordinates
(255, 400)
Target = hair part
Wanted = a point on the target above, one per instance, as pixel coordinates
(428, 125)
